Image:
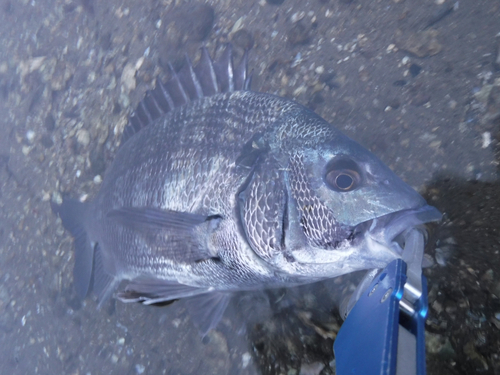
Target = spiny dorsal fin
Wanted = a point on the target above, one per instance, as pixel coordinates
(190, 83)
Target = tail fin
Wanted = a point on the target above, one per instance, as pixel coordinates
(72, 213)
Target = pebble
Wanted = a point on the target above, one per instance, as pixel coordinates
(439, 345)
(26, 150)
(296, 17)
(83, 137)
(128, 77)
(298, 34)
(30, 136)
(320, 69)
(140, 368)
(312, 368)
(245, 359)
(486, 139)
(243, 38)
(422, 44)
(435, 144)
(56, 197)
(390, 47)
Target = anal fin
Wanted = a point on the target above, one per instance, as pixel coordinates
(179, 236)
(103, 283)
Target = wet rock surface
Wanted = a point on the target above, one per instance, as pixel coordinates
(416, 83)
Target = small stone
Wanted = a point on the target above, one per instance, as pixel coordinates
(97, 179)
(245, 359)
(437, 307)
(422, 44)
(140, 368)
(128, 77)
(297, 16)
(83, 137)
(312, 368)
(486, 139)
(243, 39)
(30, 136)
(439, 345)
(483, 94)
(320, 69)
(56, 197)
(298, 34)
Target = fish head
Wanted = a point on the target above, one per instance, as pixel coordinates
(350, 208)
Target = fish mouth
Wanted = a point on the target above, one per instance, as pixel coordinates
(386, 236)
(389, 230)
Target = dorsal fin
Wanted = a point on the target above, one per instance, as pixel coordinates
(188, 84)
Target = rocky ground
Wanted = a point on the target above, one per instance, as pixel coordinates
(418, 83)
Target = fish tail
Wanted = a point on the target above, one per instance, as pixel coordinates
(72, 213)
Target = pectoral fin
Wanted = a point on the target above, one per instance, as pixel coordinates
(150, 218)
(181, 236)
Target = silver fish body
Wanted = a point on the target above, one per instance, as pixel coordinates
(232, 191)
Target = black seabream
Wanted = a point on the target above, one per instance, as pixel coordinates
(217, 189)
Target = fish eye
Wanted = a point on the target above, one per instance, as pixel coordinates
(342, 175)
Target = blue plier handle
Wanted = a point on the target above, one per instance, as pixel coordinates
(384, 332)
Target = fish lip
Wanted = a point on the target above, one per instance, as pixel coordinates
(388, 229)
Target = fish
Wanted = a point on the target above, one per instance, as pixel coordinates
(216, 189)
